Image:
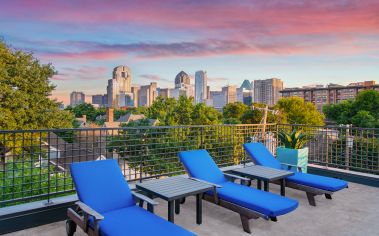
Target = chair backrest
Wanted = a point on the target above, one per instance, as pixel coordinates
(101, 185)
(200, 165)
(261, 155)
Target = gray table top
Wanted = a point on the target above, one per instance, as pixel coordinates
(173, 188)
(262, 172)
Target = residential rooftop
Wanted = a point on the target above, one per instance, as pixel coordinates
(353, 211)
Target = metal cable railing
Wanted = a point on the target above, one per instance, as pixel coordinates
(34, 164)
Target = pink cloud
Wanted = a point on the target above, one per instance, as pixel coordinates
(242, 28)
(88, 55)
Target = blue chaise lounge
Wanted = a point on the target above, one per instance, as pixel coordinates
(249, 202)
(107, 207)
(312, 184)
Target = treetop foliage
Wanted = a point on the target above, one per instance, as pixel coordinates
(363, 111)
(296, 111)
(24, 93)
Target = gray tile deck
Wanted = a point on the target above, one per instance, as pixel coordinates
(353, 211)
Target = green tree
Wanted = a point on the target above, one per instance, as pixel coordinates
(363, 119)
(24, 93)
(341, 112)
(296, 111)
(86, 109)
(24, 99)
(361, 112)
(233, 112)
(204, 115)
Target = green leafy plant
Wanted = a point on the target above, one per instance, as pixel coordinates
(295, 139)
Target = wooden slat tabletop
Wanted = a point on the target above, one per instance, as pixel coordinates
(263, 173)
(173, 188)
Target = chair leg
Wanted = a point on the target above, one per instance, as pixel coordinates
(70, 227)
(328, 196)
(245, 224)
(311, 199)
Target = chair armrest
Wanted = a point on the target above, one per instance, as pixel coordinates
(205, 182)
(145, 198)
(236, 177)
(88, 210)
(215, 186)
(290, 165)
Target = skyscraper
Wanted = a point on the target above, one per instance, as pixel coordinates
(182, 80)
(77, 98)
(247, 92)
(147, 94)
(200, 86)
(267, 91)
(120, 83)
(230, 93)
(183, 86)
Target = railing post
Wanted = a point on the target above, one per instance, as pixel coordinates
(347, 147)
(49, 202)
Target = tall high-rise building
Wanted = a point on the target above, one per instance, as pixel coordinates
(135, 91)
(147, 94)
(218, 99)
(247, 92)
(182, 80)
(267, 91)
(120, 83)
(200, 86)
(100, 100)
(77, 98)
(230, 93)
(183, 86)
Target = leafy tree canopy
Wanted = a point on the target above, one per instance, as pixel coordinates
(24, 93)
(235, 110)
(296, 111)
(182, 112)
(361, 112)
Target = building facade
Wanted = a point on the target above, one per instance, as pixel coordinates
(201, 86)
(147, 94)
(77, 98)
(267, 91)
(100, 100)
(230, 93)
(330, 94)
(218, 99)
(120, 83)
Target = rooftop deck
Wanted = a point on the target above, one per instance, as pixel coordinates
(353, 211)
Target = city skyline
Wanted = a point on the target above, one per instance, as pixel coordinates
(337, 41)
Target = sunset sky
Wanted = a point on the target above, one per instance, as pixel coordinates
(301, 42)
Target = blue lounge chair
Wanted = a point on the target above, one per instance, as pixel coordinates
(312, 184)
(250, 203)
(108, 207)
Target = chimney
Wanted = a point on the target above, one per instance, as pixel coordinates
(110, 115)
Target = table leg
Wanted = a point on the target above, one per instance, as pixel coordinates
(171, 211)
(177, 206)
(266, 187)
(259, 184)
(199, 212)
(283, 187)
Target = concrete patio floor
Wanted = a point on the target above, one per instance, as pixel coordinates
(353, 211)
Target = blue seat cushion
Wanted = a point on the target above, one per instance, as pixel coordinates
(200, 164)
(261, 155)
(137, 221)
(101, 185)
(317, 181)
(265, 203)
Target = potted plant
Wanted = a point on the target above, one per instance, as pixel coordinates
(293, 152)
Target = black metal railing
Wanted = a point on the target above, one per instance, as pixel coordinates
(34, 164)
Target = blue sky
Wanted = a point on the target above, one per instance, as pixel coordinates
(301, 42)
